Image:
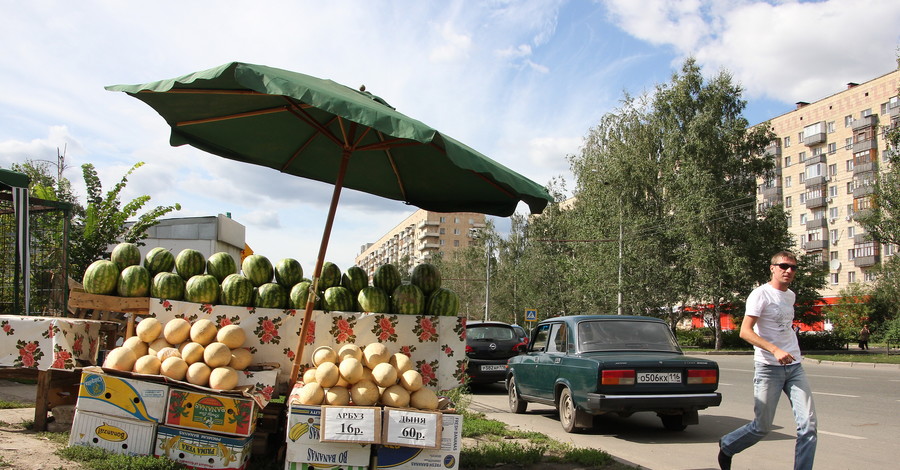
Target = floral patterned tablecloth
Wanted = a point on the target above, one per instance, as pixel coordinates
(435, 344)
(47, 342)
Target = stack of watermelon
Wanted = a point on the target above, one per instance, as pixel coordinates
(261, 284)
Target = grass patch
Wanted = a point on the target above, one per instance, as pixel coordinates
(498, 453)
(60, 438)
(858, 357)
(7, 405)
(99, 459)
(4, 462)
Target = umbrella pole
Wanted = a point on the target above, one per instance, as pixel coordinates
(317, 272)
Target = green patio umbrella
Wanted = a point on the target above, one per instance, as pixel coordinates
(325, 131)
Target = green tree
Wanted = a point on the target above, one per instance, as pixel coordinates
(852, 313)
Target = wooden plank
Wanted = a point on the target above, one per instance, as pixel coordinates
(109, 302)
(41, 401)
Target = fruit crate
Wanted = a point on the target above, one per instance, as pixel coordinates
(132, 306)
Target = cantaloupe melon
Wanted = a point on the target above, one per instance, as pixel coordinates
(198, 374)
(351, 369)
(147, 365)
(327, 374)
(309, 375)
(337, 396)
(240, 358)
(231, 335)
(311, 394)
(177, 331)
(217, 355)
(223, 378)
(424, 399)
(203, 331)
(135, 344)
(374, 354)
(323, 354)
(174, 368)
(121, 358)
(155, 347)
(385, 374)
(401, 362)
(166, 353)
(148, 329)
(411, 380)
(364, 393)
(395, 396)
(192, 352)
(349, 350)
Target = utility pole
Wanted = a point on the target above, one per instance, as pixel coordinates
(487, 280)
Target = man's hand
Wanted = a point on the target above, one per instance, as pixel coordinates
(783, 357)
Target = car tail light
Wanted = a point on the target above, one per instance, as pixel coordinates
(702, 376)
(517, 346)
(617, 377)
(469, 349)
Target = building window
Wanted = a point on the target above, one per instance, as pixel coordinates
(832, 169)
(848, 120)
(850, 254)
(455, 242)
(802, 177)
(456, 231)
(787, 182)
(848, 143)
(831, 127)
(850, 165)
(802, 198)
(832, 147)
(787, 201)
(802, 218)
(834, 278)
(851, 231)
(442, 230)
(441, 242)
(865, 112)
(832, 214)
(787, 141)
(817, 151)
(471, 221)
(832, 191)
(801, 157)
(833, 235)
(851, 277)
(787, 161)
(833, 255)
(443, 220)
(456, 220)
(868, 276)
(850, 187)
(800, 138)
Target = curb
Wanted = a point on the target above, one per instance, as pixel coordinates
(869, 365)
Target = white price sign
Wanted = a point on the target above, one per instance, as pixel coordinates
(359, 424)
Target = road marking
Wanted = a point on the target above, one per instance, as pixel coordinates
(737, 370)
(833, 376)
(720, 383)
(837, 434)
(836, 395)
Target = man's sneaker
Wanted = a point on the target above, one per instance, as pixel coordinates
(724, 460)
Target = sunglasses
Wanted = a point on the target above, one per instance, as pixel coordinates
(786, 266)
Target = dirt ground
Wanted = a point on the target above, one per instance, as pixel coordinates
(21, 449)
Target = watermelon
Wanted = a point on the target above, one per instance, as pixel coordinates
(331, 276)
(220, 265)
(101, 277)
(159, 260)
(271, 295)
(190, 263)
(442, 302)
(237, 290)
(126, 254)
(386, 277)
(201, 289)
(355, 279)
(299, 296)
(134, 281)
(288, 272)
(426, 277)
(374, 300)
(258, 269)
(338, 299)
(166, 285)
(408, 299)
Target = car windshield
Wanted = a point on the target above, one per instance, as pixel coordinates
(617, 335)
(493, 333)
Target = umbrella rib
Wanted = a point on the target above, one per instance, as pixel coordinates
(259, 112)
(390, 156)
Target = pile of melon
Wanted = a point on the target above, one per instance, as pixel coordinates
(198, 353)
(367, 376)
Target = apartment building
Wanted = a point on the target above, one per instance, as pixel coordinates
(419, 237)
(829, 154)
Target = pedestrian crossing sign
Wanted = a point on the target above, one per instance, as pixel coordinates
(530, 315)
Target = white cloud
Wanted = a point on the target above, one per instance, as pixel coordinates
(453, 47)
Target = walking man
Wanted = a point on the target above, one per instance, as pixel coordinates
(864, 337)
(767, 326)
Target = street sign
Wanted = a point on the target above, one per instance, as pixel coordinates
(530, 315)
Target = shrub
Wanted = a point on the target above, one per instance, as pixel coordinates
(821, 341)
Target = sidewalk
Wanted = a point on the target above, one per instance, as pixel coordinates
(852, 351)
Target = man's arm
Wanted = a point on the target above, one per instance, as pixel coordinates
(750, 336)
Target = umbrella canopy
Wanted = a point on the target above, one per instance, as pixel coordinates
(302, 125)
(321, 130)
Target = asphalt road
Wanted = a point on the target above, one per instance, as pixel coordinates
(858, 410)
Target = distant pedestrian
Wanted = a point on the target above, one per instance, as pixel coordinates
(767, 326)
(864, 337)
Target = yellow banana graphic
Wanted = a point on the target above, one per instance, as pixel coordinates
(168, 444)
(227, 455)
(123, 395)
(298, 430)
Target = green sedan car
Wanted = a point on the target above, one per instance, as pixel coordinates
(587, 365)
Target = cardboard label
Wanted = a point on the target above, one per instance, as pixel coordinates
(203, 450)
(412, 428)
(125, 398)
(115, 434)
(309, 466)
(207, 412)
(414, 458)
(361, 424)
(303, 446)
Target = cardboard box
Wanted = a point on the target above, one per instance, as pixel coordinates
(303, 446)
(231, 415)
(411, 458)
(122, 397)
(411, 428)
(203, 450)
(308, 466)
(113, 433)
(359, 424)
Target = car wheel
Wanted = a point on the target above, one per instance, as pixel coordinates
(673, 422)
(516, 404)
(569, 414)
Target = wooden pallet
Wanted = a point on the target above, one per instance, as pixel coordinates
(110, 308)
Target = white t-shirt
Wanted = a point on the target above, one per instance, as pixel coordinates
(775, 310)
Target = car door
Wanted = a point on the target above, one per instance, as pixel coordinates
(526, 364)
(548, 363)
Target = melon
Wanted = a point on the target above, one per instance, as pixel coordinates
(101, 277)
(407, 299)
(125, 255)
(401, 362)
(411, 380)
(330, 277)
(224, 378)
(237, 290)
(189, 263)
(341, 382)
(351, 370)
(323, 354)
(217, 355)
(158, 345)
(386, 277)
(373, 299)
(177, 331)
(271, 295)
(327, 374)
(148, 329)
(355, 279)
(424, 399)
(426, 277)
(202, 289)
(147, 365)
(203, 331)
(385, 374)
(167, 285)
(159, 260)
(311, 394)
(198, 374)
(395, 396)
(232, 335)
(349, 350)
(374, 354)
(258, 269)
(139, 347)
(133, 281)
(166, 353)
(309, 375)
(288, 272)
(192, 352)
(174, 368)
(337, 396)
(220, 265)
(364, 393)
(240, 358)
(121, 358)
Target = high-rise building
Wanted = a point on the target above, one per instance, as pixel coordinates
(828, 156)
(420, 236)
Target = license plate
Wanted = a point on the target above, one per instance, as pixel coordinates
(494, 368)
(659, 377)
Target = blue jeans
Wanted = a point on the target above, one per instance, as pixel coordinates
(768, 383)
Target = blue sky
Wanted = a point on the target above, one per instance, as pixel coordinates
(520, 81)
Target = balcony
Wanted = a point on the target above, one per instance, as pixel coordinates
(862, 190)
(426, 234)
(867, 121)
(863, 145)
(815, 180)
(860, 168)
(820, 158)
(816, 223)
(771, 192)
(816, 245)
(814, 139)
(859, 239)
(773, 150)
(814, 202)
(865, 261)
(428, 246)
(427, 223)
(894, 110)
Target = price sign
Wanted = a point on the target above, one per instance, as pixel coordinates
(360, 424)
(412, 428)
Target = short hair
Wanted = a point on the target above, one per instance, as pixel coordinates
(783, 254)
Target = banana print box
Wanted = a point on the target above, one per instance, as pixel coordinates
(303, 446)
(126, 398)
(208, 412)
(115, 434)
(413, 458)
(310, 466)
(203, 450)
